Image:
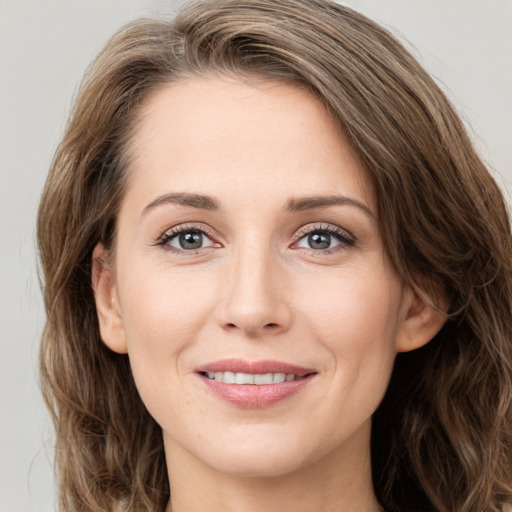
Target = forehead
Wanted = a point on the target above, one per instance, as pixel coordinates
(221, 136)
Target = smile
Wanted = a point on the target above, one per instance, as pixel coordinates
(250, 378)
(251, 385)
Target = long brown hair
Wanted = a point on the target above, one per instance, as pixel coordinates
(442, 436)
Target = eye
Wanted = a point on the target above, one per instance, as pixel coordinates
(324, 239)
(184, 239)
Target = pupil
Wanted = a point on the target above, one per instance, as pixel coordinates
(319, 241)
(191, 240)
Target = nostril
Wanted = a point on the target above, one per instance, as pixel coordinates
(271, 325)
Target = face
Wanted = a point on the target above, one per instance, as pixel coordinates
(249, 283)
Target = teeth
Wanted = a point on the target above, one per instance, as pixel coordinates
(279, 377)
(265, 378)
(250, 378)
(244, 378)
(229, 378)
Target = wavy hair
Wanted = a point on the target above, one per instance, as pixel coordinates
(441, 438)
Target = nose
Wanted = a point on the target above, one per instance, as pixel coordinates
(253, 298)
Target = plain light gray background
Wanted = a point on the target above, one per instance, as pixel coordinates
(45, 46)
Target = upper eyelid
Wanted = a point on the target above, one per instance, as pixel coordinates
(170, 233)
(163, 241)
(331, 228)
(180, 228)
(298, 233)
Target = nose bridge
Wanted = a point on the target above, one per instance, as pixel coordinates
(254, 301)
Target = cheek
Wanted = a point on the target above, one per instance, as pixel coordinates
(356, 317)
(356, 321)
(162, 314)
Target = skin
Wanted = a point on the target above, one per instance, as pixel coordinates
(255, 290)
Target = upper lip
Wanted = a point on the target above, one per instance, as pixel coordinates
(254, 367)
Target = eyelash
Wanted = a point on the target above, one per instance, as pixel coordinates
(164, 240)
(344, 237)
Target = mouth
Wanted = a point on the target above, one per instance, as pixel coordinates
(254, 384)
(258, 379)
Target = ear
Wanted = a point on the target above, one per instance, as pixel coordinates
(422, 320)
(107, 303)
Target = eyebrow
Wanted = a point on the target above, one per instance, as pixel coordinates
(205, 202)
(311, 203)
(185, 199)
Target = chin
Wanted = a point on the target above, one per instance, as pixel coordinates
(262, 465)
(261, 455)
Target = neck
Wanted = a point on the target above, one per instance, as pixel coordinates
(338, 481)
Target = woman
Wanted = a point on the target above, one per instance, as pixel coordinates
(276, 275)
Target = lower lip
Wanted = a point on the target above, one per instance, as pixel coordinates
(252, 396)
